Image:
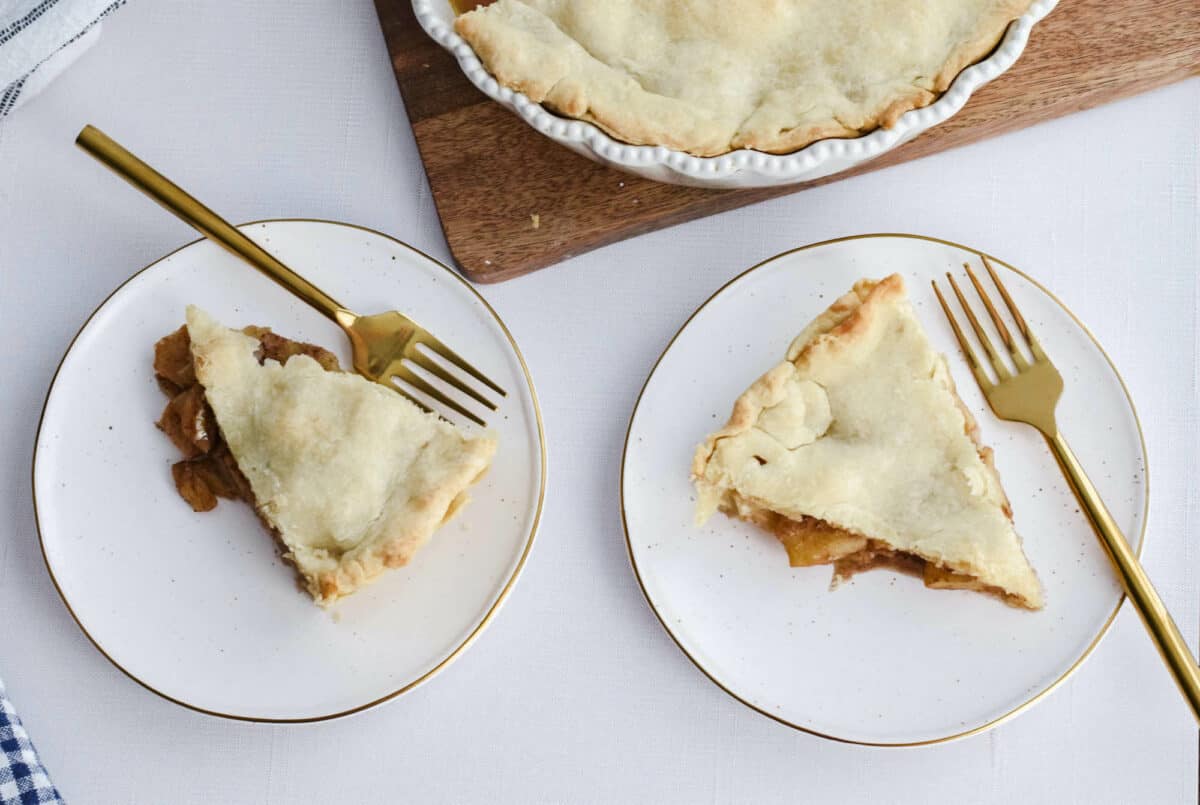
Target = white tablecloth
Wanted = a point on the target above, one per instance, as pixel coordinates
(575, 693)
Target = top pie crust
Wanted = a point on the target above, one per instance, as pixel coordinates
(709, 76)
(861, 428)
(353, 478)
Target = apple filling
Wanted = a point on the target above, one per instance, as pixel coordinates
(811, 541)
(208, 470)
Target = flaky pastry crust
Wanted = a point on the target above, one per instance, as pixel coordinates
(711, 76)
(352, 478)
(859, 445)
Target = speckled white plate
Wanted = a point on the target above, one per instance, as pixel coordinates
(741, 168)
(881, 660)
(197, 607)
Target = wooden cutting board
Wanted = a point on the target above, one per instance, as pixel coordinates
(512, 201)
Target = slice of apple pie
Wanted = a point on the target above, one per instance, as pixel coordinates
(856, 451)
(350, 477)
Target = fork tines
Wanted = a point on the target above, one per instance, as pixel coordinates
(1016, 347)
(423, 359)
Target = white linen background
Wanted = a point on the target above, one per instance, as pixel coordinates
(574, 694)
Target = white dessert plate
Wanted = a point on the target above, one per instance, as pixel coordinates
(199, 608)
(881, 660)
(741, 168)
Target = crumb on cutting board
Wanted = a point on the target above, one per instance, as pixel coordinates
(536, 220)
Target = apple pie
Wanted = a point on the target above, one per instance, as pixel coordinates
(856, 451)
(349, 477)
(710, 76)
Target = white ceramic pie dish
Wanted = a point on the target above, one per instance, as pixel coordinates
(737, 169)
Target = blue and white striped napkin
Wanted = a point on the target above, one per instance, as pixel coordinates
(41, 38)
(23, 781)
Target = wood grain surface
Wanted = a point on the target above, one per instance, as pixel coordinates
(512, 200)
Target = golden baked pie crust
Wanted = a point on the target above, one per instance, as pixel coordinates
(712, 76)
(349, 477)
(810, 540)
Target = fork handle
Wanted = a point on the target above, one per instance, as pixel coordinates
(207, 222)
(1145, 598)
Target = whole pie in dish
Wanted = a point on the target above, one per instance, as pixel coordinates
(349, 477)
(856, 451)
(710, 76)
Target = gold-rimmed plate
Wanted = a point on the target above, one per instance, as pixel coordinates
(197, 607)
(881, 660)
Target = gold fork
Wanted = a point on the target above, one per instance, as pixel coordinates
(1030, 394)
(385, 346)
